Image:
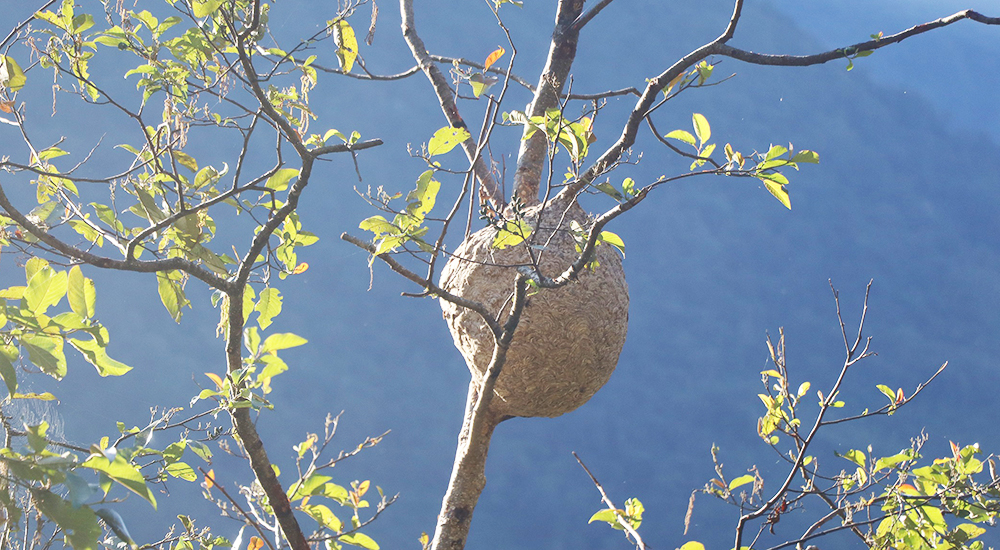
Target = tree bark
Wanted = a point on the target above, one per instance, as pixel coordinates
(562, 52)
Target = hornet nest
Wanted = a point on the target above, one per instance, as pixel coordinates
(568, 340)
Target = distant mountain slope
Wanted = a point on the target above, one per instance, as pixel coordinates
(900, 196)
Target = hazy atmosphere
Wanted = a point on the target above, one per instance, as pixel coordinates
(906, 194)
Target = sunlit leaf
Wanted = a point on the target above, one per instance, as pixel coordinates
(740, 481)
(701, 128)
(124, 473)
(513, 232)
(347, 44)
(8, 356)
(279, 180)
(281, 341)
(204, 8)
(186, 160)
(681, 135)
(359, 539)
(96, 355)
(614, 240)
(81, 293)
(11, 75)
(268, 306)
(182, 471)
(445, 139)
(779, 192)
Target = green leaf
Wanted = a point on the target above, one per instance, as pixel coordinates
(174, 451)
(186, 160)
(779, 192)
(268, 306)
(79, 524)
(609, 190)
(482, 83)
(204, 8)
(46, 352)
(607, 515)
(324, 516)
(890, 461)
(206, 176)
(122, 472)
(46, 287)
(614, 240)
(96, 355)
(359, 539)
(182, 471)
(279, 180)
(681, 135)
(171, 293)
(378, 225)
(116, 524)
(445, 139)
(855, 456)
(513, 232)
(692, 545)
(807, 156)
(51, 153)
(701, 128)
(81, 293)
(740, 481)
(11, 75)
(774, 152)
(309, 486)
(628, 187)
(281, 341)
(200, 449)
(347, 44)
(8, 355)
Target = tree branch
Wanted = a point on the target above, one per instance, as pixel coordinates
(467, 476)
(446, 99)
(562, 51)
(719, 47)
(848, 51)
(128, 264)
(427, 285)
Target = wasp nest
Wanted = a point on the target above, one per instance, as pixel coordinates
(568, 340)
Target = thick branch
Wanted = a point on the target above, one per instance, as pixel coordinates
(446, 98)
(249, 437)
(562, 52)
(467, 477)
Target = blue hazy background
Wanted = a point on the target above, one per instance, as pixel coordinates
(906, 194)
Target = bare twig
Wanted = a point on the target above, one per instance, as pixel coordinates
(610, 504)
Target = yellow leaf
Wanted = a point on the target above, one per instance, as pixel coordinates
(209, 479)
(255, 543)
(347, 44)
(492, 58)
(301, 268)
